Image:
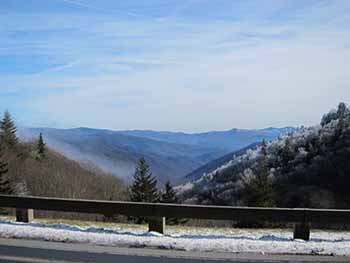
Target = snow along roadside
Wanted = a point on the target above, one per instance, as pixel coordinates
(243, 241)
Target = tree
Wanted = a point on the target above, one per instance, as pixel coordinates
(341, 113)
(264, 147)
(41, 147)
(5, 186)
(144, 187)
(8, 131)
(258, 190)
(286, 153)
(169, 196)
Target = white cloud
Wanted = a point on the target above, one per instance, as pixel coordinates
(181, 74)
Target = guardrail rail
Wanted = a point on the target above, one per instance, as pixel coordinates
(156, 213)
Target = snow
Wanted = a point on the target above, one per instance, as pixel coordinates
(183, 188)
(190, 239)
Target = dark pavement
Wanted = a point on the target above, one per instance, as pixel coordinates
(22, 251)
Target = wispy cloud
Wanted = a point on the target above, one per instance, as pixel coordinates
(97, 8)
(178, 65)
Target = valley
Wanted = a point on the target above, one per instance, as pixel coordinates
(171, 155)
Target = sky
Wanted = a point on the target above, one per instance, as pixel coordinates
(177, 65)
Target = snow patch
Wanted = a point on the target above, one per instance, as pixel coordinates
(190, 239)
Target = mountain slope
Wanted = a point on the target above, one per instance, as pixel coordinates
(213, 165)
(309, 168)
(57, 176)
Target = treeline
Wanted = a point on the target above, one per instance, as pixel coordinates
(308, 168)
(31, 168)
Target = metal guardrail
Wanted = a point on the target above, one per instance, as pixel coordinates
(158, 212)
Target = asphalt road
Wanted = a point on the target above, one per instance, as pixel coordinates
(23, 251)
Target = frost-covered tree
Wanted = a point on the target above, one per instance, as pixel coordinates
(341, 113)
(263, 148)
(258, 189)
(286, 152)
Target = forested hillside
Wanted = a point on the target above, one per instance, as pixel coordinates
(212, 165)
(308, 168)
(33, 169)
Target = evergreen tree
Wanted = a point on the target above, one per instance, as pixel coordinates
(41, 147)
(259, 189)
(342, 111)
(264, 147)
(144, 187)
(8, 131)
(5, 186)
(286, 153)
(169, 196)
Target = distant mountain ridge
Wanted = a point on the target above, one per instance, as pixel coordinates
(229, 140)
(171, 155)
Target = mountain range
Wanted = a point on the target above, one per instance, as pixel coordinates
(229, 140)
(171, 155)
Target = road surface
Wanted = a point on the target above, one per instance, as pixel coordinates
(25, 251)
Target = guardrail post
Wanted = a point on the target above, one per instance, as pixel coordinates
(24, 215)
(302, 230)
(156, 224)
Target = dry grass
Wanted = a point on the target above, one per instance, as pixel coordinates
(57, 176)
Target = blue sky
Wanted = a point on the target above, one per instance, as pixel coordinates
(189, 65)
